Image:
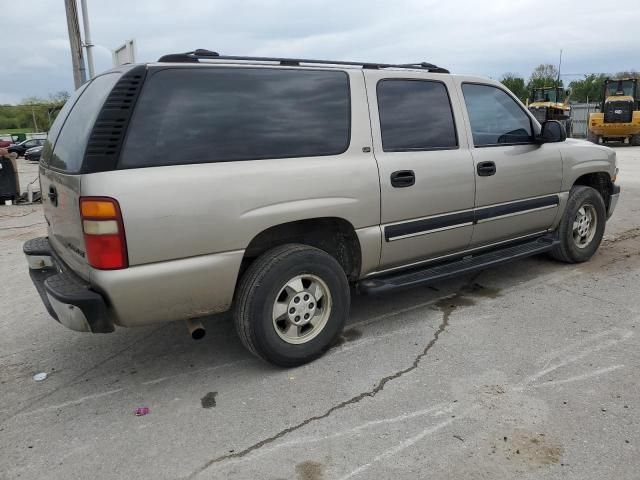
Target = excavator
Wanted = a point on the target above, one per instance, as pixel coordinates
(619, 115)
(551, 103)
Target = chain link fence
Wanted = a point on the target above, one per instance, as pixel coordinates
(580, 117)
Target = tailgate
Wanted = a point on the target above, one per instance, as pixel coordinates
(60, 199)
(62, 166)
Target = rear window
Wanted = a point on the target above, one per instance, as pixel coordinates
(71, 142)
(224, 114)
(54, 131)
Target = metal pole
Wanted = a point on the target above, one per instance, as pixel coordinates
(77, 58)
(559, 67)
(87, 37)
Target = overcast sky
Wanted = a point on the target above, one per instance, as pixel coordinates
(484, 37)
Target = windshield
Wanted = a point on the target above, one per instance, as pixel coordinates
(545, 95)
(620, 87)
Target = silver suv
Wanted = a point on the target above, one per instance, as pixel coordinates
(204, 183)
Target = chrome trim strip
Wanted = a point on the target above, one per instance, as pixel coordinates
(461, 218)
(426, 232)
(429, 217)
(517, 213)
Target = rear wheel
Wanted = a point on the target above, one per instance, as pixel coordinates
(291, 304)
(635, 140)
(592, 137)
(582, 226)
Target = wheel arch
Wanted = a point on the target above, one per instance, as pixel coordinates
(599, 181)
(334, 235)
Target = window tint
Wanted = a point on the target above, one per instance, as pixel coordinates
(415, 115)
(225, 114)
(69, 149)
(495, 117)
(57, 124)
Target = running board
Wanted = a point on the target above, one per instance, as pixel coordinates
(467, 264)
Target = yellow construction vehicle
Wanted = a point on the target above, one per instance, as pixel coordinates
(551, 103)
(619, 115)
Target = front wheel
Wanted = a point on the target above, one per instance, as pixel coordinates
(291, 304)
(582, 226)
(635, 140)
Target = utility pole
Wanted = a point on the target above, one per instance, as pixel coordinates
(77, 58)
(559, 66)
(87, 37)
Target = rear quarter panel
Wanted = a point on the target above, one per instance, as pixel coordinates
(182, 211)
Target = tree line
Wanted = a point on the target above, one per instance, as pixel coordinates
(33, 113)
(590, 88)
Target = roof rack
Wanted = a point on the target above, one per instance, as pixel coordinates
(196, 55)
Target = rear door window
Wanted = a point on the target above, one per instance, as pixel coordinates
(221, 114)
(415, 115)
(71, 143)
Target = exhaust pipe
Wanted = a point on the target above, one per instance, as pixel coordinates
(196, 329)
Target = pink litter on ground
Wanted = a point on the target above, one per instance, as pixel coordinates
(140, 411)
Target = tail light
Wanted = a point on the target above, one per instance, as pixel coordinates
(103, 233)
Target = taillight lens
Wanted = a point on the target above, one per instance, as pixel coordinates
(103, 233)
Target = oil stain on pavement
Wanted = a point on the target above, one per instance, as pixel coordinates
(310, 470)
(209, 400)
(347, 336)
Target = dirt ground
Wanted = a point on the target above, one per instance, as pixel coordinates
(529, 370)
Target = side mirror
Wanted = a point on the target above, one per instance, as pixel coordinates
(552, 132)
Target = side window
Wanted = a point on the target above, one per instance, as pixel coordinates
(415, 115)
(54, 131)
(68, 152)
(495, 118)
(221, 114)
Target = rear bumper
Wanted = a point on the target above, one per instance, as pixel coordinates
(68, 298)
(613, 200)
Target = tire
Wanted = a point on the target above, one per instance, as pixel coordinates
(264, 292)
(574, 247)
(635, 140)
(592, 137)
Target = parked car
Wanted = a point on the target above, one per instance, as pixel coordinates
(22, 147)
(295, 180)
(33, 154)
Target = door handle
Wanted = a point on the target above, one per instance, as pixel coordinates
(403, 178)
(486, 169)
(53, 195)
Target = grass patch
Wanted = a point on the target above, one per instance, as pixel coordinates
(13, 131)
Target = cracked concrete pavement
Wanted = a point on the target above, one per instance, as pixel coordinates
(529, 370)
